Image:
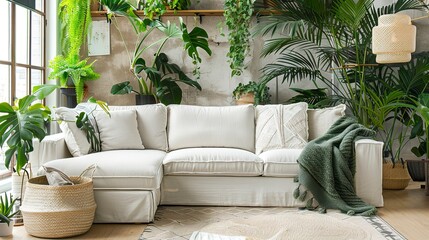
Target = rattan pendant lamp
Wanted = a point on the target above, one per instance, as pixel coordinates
(394, 39)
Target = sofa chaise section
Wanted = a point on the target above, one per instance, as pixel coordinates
(127, 179)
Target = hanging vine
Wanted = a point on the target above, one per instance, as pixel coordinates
(238, 14)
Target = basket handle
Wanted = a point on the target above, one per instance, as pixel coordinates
(93, 167)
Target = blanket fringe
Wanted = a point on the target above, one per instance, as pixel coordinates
(296, 192)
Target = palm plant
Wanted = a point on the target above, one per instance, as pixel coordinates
(329, 43)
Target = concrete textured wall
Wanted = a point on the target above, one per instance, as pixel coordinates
(215, 73)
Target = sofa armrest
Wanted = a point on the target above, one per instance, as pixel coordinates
(50, 148)
(369, 165)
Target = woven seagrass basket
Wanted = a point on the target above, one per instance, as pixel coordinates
(58, 211)
(395, 178)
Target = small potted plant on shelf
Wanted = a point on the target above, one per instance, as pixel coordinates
(6, 214)
(251, 93)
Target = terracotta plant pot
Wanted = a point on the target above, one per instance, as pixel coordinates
(395, 178)
(247, 98)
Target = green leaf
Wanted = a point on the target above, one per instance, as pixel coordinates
(197, 38)
(121, 88)
(6, 108)
(169, 92)
(42, 91)
(139, 66)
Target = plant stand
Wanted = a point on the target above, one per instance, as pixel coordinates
(70, 93)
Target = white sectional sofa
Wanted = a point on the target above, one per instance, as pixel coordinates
(222, 156)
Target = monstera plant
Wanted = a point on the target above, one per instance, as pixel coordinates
(21, 122)
(155, 75)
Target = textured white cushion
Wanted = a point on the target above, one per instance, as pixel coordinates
(196, 126)
(320, 120)
(129, 169)
(119, 131)
(281, 162)
(212, 161)
(152, 124)
(281, 126)
(75, 138)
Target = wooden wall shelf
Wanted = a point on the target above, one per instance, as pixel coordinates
(172, 13)
(184, 13)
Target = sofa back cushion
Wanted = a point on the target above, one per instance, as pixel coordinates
(198, 126)
(152, 124)
(75, 138)
(281, 126)
(119, 130)
(320, 120)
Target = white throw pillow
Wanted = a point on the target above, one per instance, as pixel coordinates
(75, 138)
(119, 131)
(320, 120)
(281, 126)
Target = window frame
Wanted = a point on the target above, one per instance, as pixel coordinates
(13, 64)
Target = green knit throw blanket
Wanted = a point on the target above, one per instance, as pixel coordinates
(327, 169)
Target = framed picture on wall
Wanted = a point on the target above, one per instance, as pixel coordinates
(99, 39)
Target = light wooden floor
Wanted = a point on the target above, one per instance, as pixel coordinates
(407, 211)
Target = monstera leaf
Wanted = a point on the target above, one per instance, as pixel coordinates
(168, 92)
(22, 122)
(197, 38)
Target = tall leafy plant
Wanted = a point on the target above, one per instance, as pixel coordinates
(329, 44)
(238, 14)
(157, 76)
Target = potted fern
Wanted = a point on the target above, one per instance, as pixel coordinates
(6, 214)
(68, 67)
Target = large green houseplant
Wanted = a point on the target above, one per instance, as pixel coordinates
(334, 37)
(155, 75)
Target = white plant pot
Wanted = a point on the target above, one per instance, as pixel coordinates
(17, 183)
(6, 230)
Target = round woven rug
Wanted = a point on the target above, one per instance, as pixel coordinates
(287, 226)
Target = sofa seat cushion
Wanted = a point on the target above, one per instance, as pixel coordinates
(118, 169)
(212, 161)
(281, 162)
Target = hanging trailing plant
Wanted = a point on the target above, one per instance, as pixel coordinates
(238, 14)
(75, 17)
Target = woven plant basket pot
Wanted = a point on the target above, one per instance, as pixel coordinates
(248, 98)
(395, 178)
(58, 211)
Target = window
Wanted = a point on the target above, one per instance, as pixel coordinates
(22, 51)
